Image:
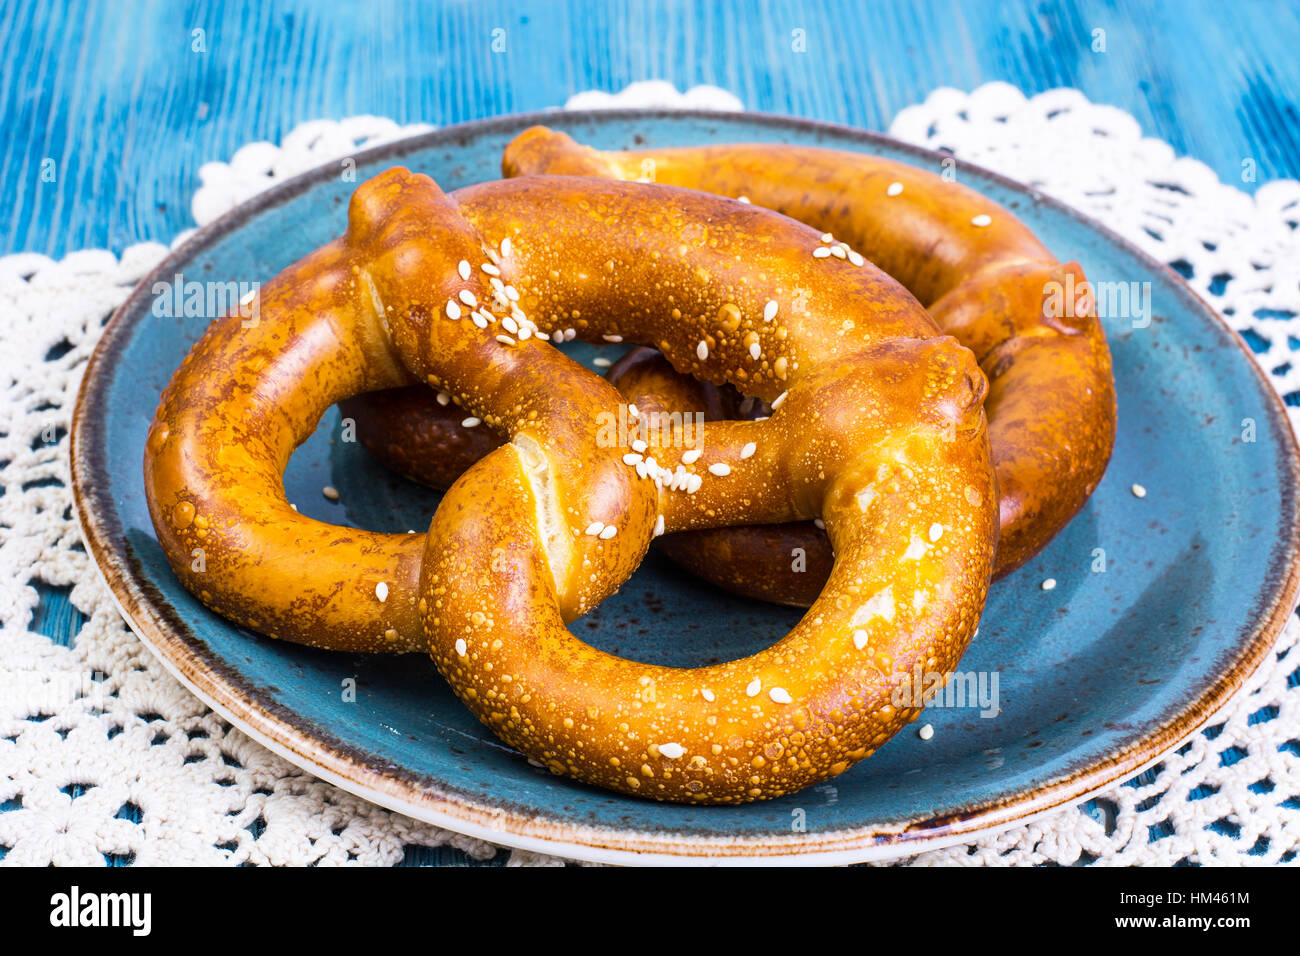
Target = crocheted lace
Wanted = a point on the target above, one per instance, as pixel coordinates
(104, 757)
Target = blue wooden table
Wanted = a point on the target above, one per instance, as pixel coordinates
(119, 98)
(124, 101)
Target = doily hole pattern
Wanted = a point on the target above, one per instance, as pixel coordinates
(107, 760)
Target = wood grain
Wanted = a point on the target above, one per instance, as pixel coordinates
(116, 97)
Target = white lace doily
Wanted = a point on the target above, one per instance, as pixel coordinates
(104, 757)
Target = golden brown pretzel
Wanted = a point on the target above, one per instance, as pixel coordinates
(983, 276)
(878, 429)
(985, 279)
(418, 433)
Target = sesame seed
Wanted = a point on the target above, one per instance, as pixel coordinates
(859, 639)
(463, 269)
(981, 220)
(608, 532)
(827, 237)
(936, 532)
(612, 338)
(505, 246)
(819, 523)
(601, 362)
(525, 332)
(509, 324)
(691, 456)
(570, 334)
(856, 258)
(557, 336)
(916, 550)
(821, 252)
(444, 398)
(926, 732)
(776, 402)
(461, 647)
(659, 525)
(780, 695)
(754, 687)
(330, 492)
(671, 751)
(481, 322)
(694, 484)
(631, 458)
(595, 528)
(770, 310)
(1048, 584)
(490, 269)
(453, 310)
(632, 410)
(505, 340)
(748, 450)
(471, 422)
(755, 351)
(468, 298)
(894, 189)
(702, 350)
(1138, 491)
(839, 252)
(512, 293)
(708, 695)
(720, 468)
(639, 445)
(744, 199)
(381, 591)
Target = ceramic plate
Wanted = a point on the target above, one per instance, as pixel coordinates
(1097, 678)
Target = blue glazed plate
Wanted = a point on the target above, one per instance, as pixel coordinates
(1096, 679)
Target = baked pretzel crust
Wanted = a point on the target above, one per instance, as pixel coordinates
(878, 429)
(981, 273)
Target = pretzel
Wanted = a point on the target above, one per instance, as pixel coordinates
(878, 428)
(418, 433)
(984, 278)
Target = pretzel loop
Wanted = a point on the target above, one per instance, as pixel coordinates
(877, 428)
(983, 275)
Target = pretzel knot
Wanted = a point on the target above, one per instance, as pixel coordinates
(982, 274)
(877, 428)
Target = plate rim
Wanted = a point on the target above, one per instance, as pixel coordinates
(284, 733)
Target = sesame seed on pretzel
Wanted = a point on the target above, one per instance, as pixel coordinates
(984, 277)
(877, 429)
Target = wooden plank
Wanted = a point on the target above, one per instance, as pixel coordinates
(116, 96)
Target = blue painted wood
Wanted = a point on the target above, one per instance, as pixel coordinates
(118, 99)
